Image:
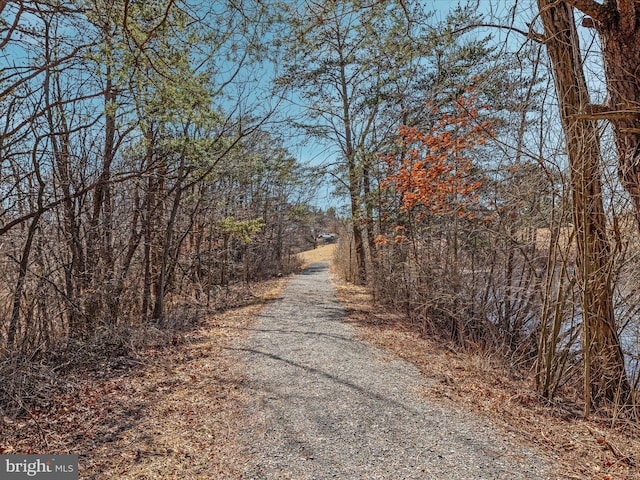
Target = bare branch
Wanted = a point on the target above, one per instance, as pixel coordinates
(531, 34)
(17, 127)
(16, 20)
(604, 112)
(591, 8)
(45, 208)
(41, 68)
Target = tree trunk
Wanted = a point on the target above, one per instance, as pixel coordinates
(164, 267)
(352, 166)
(60, 145)
(605, 377)
(369, 208)
(148, 220)
(621, 53)
(99, 259)
(26, 252)
(618, 25)
(360, 277)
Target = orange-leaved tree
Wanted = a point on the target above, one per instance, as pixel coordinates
(431, 173)
(433, 167)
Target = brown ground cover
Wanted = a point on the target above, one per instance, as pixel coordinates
(586, 449)
(176, 409)
(324, 253)
(171, 412)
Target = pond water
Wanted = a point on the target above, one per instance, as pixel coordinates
(630, 341)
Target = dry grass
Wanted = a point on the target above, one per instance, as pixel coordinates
(173, 412)
(323, 253)
(586, 449)
(543, 238)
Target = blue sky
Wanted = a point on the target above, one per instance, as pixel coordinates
(497, 12)
(311, 152)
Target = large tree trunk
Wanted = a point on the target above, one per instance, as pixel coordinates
(622, 66)
(361, 255)
(605, 378)
(618, 25)
(355, 177)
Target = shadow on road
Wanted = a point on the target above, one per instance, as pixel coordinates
(334, 379)
(315, 268)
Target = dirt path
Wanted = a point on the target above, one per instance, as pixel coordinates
(327, 405)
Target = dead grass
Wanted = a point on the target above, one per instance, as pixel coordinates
(172, 412)
(175, 410)
(323, 253)
(586, 449)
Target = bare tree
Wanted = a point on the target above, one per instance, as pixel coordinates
(605, 378)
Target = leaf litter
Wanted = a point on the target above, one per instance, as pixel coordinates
(172, 412)
(480, 382)
(176, 409)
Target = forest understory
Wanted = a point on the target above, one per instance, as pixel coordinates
(485, 383)
(176, 408)
(170, 410)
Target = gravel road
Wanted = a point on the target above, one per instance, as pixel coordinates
(328, 405)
